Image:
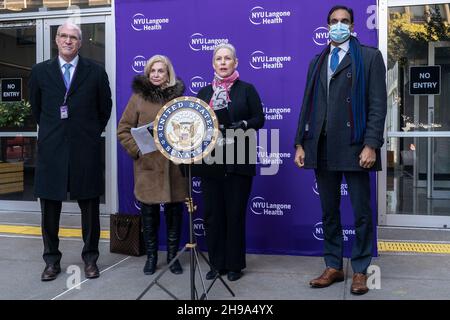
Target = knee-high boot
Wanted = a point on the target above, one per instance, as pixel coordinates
(174, 220)
(150, 221)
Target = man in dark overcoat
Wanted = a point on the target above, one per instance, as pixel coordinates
(340, 133)
(71, 102)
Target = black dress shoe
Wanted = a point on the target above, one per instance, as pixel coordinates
(234, 275)
(211, 274)
(50, 272)
(91, 271)
(175, 268)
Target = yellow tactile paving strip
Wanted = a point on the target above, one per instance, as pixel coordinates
(36, 231)
(419, 247)
(383, 246)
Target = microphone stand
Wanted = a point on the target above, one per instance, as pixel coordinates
(194, 258)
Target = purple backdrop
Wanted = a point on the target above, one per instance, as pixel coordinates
(275, 40)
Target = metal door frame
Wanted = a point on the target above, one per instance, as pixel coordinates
(404, 219)
(44, 20)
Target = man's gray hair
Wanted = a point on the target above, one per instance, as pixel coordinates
(70, 25)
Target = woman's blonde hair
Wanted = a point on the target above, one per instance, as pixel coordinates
(228, 46)
(169, 66)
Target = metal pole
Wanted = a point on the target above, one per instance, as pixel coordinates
(191, 236)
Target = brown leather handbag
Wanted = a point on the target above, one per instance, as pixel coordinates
(126, 235)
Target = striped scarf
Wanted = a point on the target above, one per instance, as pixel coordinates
(357, 110)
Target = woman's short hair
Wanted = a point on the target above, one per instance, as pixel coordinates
(228, 46)
(169, 66)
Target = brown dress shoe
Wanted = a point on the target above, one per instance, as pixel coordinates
(359, 284)
(91, 271)
(328, 277)
(50, 272)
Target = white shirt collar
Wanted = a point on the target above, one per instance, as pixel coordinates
(74, 62)
(345, 46)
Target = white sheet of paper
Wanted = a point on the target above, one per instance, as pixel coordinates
(143, 138)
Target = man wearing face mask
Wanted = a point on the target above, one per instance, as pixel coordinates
(340, 133)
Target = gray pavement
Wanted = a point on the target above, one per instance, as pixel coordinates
(267, 277)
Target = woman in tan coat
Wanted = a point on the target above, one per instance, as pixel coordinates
(156, 179)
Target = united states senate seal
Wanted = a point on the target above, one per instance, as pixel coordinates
(185, 130)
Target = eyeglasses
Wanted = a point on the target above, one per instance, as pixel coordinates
(66, 36)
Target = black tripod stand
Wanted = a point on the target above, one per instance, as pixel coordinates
(194, 259)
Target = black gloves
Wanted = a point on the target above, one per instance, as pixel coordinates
(238, 125)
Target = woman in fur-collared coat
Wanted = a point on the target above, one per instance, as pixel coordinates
(156, 179)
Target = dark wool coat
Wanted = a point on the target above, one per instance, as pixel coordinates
(342, 155)
(156, 179)
(245, 105)
(69, 150)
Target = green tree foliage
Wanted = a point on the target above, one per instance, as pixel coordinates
(407, 39)
(13, 114)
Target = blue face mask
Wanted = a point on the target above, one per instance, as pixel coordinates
(339, 32)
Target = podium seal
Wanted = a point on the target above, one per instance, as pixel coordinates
(185, 130)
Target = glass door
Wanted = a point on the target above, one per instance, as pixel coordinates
(416, 179)
(19, 43)
(94, 46)
(438, 182)
(24, 43)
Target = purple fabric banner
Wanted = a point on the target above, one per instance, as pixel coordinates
(275, 41)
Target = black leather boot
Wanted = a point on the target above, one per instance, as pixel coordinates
(150, 222)
(174, 220)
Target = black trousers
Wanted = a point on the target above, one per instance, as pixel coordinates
(329, 184)
(225, 206)
(90, 224)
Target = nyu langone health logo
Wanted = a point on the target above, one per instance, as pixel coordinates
(259, 206)
(258, 15)
(344, 189)
(140, 23)
(199, 227)
(196, 185)
(198, 42)
(320, 36)
(275, 113)
(196, 83)
(259, 60)
(318, 232)
(138, 64)
(270, 158)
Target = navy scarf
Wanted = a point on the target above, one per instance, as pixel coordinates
(357, 111)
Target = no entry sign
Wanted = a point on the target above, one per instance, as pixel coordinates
(425, 80)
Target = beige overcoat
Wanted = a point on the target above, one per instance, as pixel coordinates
(156, 179)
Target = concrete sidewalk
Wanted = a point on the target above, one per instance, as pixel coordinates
(267, 277)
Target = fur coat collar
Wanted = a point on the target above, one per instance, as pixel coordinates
(143, 87)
